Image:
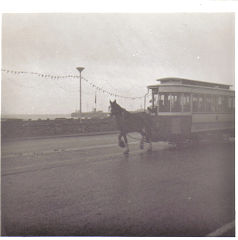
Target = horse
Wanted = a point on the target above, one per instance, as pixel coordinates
(127, 122)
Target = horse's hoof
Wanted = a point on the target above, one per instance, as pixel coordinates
(149, 150)
(126, 152)
(121, 144)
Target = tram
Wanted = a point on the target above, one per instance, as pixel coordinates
(184, 109)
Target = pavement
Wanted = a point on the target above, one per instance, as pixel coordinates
(85, 186)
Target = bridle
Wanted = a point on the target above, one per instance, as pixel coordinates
(116, 111)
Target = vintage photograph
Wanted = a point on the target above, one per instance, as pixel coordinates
(118, 124)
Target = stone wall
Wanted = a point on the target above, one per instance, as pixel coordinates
(17, 128)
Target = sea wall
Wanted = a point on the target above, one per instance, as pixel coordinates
(17, 128)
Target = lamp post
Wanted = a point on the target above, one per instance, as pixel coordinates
(80, 69)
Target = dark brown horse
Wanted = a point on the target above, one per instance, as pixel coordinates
(131, 122)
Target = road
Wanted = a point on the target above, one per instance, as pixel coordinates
(85, 186)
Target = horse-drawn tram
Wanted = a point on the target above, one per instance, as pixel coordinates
(185, 109)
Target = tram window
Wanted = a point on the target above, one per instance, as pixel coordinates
(164, 102)
(213, 104)
(156, 99)
(198, 103)
(225, 104)
(219, 104)
(195, 103)
(208, 103)
(176, 105)
(230, 104)
(201, 105)
(186, 102)
(154, 90)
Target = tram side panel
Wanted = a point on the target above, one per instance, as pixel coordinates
(181, 128)
(213, 123)
(171, 128)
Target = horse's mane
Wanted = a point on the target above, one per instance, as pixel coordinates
(122, 109)
(125, 112)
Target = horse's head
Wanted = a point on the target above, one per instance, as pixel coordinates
(115, 108)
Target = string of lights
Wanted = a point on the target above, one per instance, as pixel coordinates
(55, 77)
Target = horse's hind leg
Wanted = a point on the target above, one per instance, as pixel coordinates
(150, 144)
(142, 143)
(127, 147)
(150, 147)
(142, 140)
(120, 142)
(148, 140)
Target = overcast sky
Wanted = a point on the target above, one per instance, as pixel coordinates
(122, 53)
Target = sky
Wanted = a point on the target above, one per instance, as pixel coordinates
(121, 53)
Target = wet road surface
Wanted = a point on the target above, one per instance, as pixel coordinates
(85, 186)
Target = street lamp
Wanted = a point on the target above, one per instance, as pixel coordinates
(80, 69)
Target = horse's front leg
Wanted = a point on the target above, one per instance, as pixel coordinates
(142, 140)
(120, 142)
(127, 147)
(150, 143)
(148, 137)
(150, 146)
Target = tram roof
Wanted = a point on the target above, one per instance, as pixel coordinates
(183, 81)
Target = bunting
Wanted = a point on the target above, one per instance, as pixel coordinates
(56, 77)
